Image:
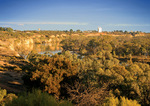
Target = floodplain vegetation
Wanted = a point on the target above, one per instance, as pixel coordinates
(99, 70)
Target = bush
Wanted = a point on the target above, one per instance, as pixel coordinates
(49, 72)
(3, 93)
(4, 97)
(112, 101)
(37, 98)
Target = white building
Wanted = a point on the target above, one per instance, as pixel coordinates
(99, 29)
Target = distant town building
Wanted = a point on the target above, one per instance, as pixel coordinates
(99, 29)
(39, 29)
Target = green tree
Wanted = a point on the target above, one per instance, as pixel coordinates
(71, 31)
(78, 31)
(9, 29)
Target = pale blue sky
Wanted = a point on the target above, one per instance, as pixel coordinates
(76, 14)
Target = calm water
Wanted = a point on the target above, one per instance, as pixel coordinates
(46, 48)
(41, 49)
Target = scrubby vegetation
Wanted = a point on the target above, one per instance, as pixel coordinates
(121, 46)
(36, 98)
(67, 76)
(4, 97)
(90, 70)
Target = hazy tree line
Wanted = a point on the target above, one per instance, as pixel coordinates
(6, 29)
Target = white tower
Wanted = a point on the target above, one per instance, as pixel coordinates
(99, 29)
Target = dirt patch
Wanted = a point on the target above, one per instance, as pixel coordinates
(10, 71)
(11, 81)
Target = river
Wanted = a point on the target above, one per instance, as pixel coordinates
(41, 49)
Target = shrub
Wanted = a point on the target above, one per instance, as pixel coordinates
(112, 101)
(4, 97)
(50, 71)
(37, 98)
(3, 93)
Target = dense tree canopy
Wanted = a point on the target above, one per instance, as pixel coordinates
(91, 67)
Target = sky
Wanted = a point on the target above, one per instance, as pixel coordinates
(76, 14)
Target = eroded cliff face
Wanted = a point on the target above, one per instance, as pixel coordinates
(7, 48)
(18, 46)
(22, 46)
